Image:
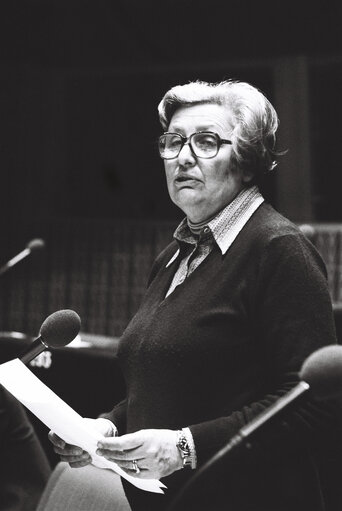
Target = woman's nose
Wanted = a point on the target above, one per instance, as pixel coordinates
(186, 156)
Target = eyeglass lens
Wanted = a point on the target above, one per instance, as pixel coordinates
(204, 145)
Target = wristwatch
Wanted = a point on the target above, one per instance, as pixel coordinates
(184, 449)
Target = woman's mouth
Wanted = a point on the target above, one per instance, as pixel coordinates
(184, 180)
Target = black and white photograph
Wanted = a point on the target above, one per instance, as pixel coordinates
(170, 255)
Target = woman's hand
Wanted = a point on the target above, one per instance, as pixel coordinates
(154, 451)
(74, 455)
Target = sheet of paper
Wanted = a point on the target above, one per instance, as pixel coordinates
(61, 418)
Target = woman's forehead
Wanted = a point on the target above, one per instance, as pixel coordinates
(202, 116)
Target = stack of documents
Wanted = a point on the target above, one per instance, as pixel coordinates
(61, 418)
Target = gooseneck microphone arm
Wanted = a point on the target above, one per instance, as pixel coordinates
(321, 374)
(32, 246)
(37, 347)
(279, 405)
(242, 439)
(16, 259)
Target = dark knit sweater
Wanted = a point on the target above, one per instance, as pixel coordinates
(226, 344)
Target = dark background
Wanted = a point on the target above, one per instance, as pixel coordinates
(81, 80)
(79, 87)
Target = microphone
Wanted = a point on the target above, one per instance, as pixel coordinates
(321, 374)
(57, 330)
(308, 230)
(32, 246)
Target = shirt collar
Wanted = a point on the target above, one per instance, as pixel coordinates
(228, 222)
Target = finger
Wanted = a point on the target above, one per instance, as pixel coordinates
(81, 463)
(68, 450)
(117, 456)
(56, 440)
(121, 460)
(123, 443)
(128, 465)
(83, 458)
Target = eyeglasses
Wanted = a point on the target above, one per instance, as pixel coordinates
(203, 144)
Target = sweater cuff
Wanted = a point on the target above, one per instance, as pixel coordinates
(188, 435)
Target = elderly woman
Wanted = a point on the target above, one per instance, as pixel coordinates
(233, 307)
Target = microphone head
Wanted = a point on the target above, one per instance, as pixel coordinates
(60, 328)
(308, 230)
(36, 244)
(322, 370)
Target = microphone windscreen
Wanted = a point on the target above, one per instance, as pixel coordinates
(308, 230)
(322, 370)
(60, 328)
(35, 244)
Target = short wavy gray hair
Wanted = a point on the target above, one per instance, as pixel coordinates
(254, 120)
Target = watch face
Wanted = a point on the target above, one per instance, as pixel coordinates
(183, 446)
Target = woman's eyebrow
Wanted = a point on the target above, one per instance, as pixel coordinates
(200, 127)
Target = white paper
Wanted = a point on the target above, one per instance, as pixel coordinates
(61, 418)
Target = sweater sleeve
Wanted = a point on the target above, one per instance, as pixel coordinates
(118, 416)
(291, 315)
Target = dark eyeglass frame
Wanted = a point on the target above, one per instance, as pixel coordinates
(220, 141)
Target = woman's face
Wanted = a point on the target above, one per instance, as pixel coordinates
(202, 187)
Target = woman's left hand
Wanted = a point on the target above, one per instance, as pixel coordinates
(154, 452)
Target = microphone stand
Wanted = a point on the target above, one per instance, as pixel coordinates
(16, 259)
(241, 440)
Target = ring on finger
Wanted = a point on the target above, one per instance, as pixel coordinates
(135, 466)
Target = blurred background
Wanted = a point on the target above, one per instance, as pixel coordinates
(79, 88)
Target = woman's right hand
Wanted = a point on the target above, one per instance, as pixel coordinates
(75, 455)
